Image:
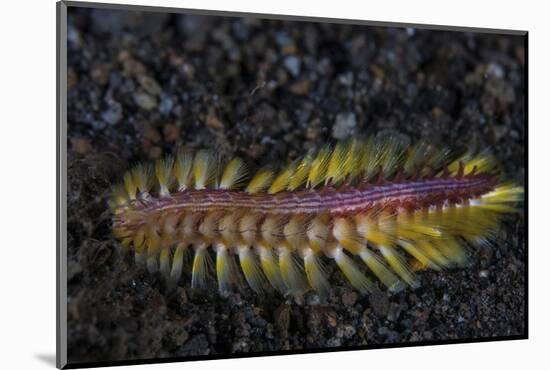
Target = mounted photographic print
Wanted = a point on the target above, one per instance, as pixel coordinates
(236, 185)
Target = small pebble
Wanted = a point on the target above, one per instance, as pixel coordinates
(379, 303)
(344, 125)
(113, 114)
(171, 132)
(349, 298)
(484, 274)
(166, 105)
(149, 84)
(292, 64)
(213, 122)
(145, 101)
(81, 145)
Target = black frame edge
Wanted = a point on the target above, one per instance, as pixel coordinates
(150, 8)
(61, 337)
(61, 172)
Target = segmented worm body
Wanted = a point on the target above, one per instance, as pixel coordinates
(377, 209)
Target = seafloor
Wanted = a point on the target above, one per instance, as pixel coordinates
(139, 84)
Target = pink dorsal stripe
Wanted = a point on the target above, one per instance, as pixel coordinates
(314, 201)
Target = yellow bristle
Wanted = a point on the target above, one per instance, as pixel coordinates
(413, 226)
(281, 181)
(352, 160)
(163, 173)
(483, 163)
(318, 169)
(335, 169)
(502, 198)
(451, 249)
(398, 265)
(119, 196)
(415, 157)
(291, 272)
(352, 272)
(200, 267)
(261, 181)
(424, 156)
(270, 268)
(315, 273)
(142, 177)
(430, 250)
(204, 169)
(390, 156)
(251, 269)
(129, 185)
(377, 229)
(226, 273)
(177, 264)
(234, 174)
(182, 169)
(369, 158)
(380, 270)
(423, 260)
(344, 231)
(301, 170)
(468, 221)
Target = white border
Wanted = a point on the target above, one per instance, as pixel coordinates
(28, 186)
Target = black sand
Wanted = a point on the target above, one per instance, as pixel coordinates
(268, 91)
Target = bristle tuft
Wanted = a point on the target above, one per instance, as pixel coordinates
(271, 269)
(129, 185)
(261, 181)
(199, 271)
(352, 272)
(119, 197)
(379, 269)
(318, 169)
(143, 179)
(251, 269)
(315, 273)
(398, 265)
(300, 174)
(177, 265)
(291, 272)
(335, 169)
(182, 169)
(234, 174)
(226, 272)
(281, 181)
(204, 169)
(163, 173)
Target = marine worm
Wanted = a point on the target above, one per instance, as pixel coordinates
(380, 211)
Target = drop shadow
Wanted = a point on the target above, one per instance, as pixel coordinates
(47, 358)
